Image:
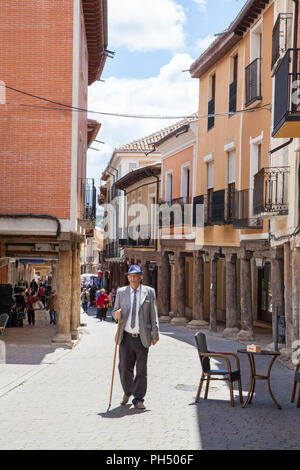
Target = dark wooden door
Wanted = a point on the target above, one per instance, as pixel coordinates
(265, 294)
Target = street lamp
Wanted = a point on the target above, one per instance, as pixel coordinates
(260, 262)
(171, 258)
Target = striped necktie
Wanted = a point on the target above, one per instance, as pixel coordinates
(133, 313)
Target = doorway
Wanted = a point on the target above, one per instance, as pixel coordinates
(264, 307)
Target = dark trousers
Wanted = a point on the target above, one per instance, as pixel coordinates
(133, 353)
(30, 316)
(101, 313)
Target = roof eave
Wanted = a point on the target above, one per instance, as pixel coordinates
(134, 176)
(95, 18)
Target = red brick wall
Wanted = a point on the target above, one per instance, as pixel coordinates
(82, 103)
(36, 40)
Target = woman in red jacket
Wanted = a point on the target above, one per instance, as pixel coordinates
(102, 302)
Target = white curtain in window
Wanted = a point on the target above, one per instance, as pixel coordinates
(231, 167)
(210, 175)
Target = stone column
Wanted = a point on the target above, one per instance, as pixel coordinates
(277, 282)
(213, 293)
(78, 301)
(179, 310)
(146, 276)
(54, 275)
(64, 270)
(163, 289)
(231, 297)
(296, 293)
(246, 333)
(75, 293)
(198, 321)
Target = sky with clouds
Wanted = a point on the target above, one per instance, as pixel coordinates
(154, 42)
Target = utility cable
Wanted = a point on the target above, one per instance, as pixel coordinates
(136, 116)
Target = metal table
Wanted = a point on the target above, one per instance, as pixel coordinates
(254, 376)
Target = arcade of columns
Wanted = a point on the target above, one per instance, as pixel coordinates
(285, 286)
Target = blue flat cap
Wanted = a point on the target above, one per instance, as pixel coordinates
(134, 269)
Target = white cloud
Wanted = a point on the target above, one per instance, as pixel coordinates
(172, 92)
(203, 43)
(143, 25)
(201, 4)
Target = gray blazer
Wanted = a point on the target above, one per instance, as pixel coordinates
(148, 317)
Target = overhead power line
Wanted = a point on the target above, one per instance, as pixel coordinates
(67, 107)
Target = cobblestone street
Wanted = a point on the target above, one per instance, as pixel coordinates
(60, 401)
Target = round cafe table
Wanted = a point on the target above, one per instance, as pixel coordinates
(254, 376)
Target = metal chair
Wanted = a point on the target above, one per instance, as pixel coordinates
(296, 380)
(3, 321)
(207, 373)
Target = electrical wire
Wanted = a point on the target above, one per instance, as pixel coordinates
(67, 107)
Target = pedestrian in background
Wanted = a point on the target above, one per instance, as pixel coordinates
(34, 286)
(51, 303)
(41, 294)
(111, 301)
(92, 293)
(85, 299)
(30, 300)
(102, 304)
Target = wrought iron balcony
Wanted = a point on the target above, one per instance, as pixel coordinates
(253, 82)
(270, 195)
(241, 206)
(114, 192)
(287, 99)
(141, 235)
(280, 37)
(112, 250)
(177, 213)
(87, 192)
(101, 199)
(213, 211)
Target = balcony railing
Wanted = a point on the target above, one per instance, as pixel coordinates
(270, 195)
(114, 192)
(87, 199)
(141, 235)
(224, 207)
(286, 99)
(253, 82)
(210, 111)
(232, 96)
(112, 250)
(101, 199)
(212, 211)
(178, 215)
(241, 206)
(280, 36)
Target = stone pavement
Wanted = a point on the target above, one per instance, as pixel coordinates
(62, 403)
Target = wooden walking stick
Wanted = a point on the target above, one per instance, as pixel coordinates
(113, 372)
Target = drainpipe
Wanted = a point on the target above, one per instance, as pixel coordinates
(157, 195)
(296, 13)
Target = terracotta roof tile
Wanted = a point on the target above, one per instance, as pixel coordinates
(146, 143)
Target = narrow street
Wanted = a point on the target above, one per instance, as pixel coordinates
(60, 401)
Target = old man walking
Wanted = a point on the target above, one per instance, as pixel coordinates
(136, 308)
